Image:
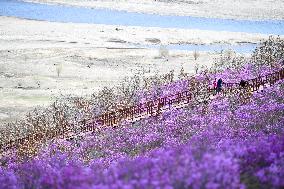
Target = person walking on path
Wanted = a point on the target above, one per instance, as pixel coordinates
(243, 83)
(219, 85)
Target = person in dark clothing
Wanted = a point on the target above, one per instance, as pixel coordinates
(219, 85)
(243, 83)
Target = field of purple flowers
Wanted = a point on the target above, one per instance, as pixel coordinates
(223, 144)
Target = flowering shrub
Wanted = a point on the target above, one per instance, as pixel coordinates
(206, 146)
(181, 148)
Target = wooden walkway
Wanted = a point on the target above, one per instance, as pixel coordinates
(143, 110)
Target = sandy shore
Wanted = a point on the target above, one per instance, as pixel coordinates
(232, 9)
(91, 57)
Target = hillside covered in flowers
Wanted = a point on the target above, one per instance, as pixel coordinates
(227, 142)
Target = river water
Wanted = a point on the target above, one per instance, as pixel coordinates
(58, 13)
